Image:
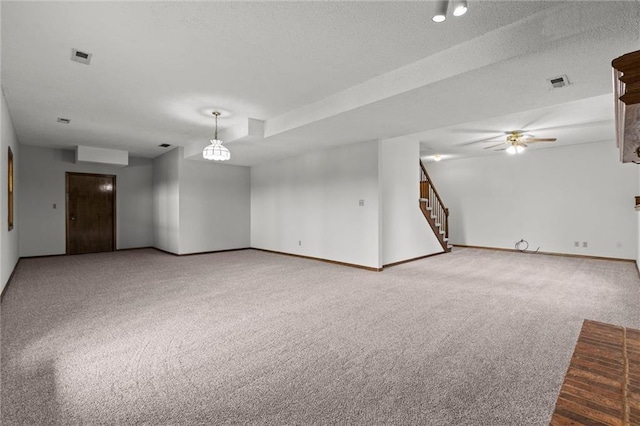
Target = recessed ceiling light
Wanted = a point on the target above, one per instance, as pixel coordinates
(64, 120)
(79, 56)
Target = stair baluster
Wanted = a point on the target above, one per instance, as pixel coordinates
(433, 209)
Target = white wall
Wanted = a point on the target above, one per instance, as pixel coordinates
(134, 185)
(215, 206)
(42, 184)
(550, 197)
(406, 234)
(9, 240)
(638, 217)
(166, 202)
(199, 206)
(314, 199)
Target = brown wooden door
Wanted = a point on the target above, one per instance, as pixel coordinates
(91, 206)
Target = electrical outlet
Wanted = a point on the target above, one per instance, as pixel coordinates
(576, 244)
(299, 242)
(584, 244)
(361, 203)
(55, 206)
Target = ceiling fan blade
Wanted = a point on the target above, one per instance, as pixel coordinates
(493, 146)
(480, 141)
(492, 139)
(501, 149)
(540, 140)
(533, 122)
(476, 131)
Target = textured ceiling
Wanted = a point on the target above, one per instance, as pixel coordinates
(292, 77)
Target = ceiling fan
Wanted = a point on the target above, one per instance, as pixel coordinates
(517, 141)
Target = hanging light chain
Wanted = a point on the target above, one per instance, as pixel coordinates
(216, 114)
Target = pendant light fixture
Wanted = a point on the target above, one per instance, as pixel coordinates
(459, 9)
(441, 11)
(216, 151)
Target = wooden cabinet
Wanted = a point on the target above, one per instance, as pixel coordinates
(626, 84)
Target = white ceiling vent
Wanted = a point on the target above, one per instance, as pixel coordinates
(558, 82)
(82, 57)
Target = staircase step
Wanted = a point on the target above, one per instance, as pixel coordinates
(426, 201)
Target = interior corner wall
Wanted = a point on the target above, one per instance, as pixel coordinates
(42, 208)
(215, 206)
(166, 202)
(549, 197)
(9, 240)
(310, 205)
(406, 234)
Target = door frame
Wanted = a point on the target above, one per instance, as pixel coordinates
(66, 207)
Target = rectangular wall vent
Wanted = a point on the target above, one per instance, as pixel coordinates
(82, 57)
(64, 120)
(558, 82)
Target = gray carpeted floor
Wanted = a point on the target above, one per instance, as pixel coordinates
(475, 337)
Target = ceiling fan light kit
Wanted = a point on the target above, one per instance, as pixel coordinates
(517, 141)
(216, 151)
(515, 149)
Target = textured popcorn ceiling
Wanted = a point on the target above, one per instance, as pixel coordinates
(291, 77)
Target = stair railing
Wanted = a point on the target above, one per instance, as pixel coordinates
(438, 209)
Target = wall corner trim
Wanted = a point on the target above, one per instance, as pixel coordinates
(335, 262)
(6, 286)
(389, 265)
(548, 253)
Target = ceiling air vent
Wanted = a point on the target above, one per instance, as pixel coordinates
(64, 120)
(164, 145)
(558, 82)
(82, 57)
